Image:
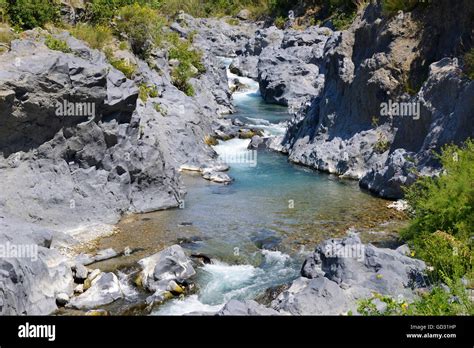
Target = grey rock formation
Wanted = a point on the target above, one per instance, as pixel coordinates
(164, 271)
(86, 168)
(216, 36)
(80, 273)
(31, 275)
(343, 130)
(288, 73)
(62, 299)
(343, 271)
(285, 63)
(78, 171)
(312, 297)
(446, 104)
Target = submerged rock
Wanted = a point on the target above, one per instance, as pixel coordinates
(256, 142)
(170, 264)
(218, 177)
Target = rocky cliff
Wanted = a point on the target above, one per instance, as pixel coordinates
(337, 84)
(65, 174)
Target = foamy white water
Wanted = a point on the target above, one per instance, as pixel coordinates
(234, 146)
(190, 304)
(220, 283)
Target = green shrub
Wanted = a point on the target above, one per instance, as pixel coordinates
(127, 68)
(447, 257)
(469, 64)
(146, 92)
(6, 35)
(442, 209)
(446, 202)
(142, 25)
(216, 8)
(392, 306)
(190, 63)
(438, 301)
(280, 22)
(343, 20)
(160, 109)
(3, 11)
(382, 145)
(232, 21)
(29, 14)
(180, 76)
(56, 44)
(456, 301)
(391, 7)
(123, 45)
(103, 11)
(96, 36)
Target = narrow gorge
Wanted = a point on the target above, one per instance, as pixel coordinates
(243, 192)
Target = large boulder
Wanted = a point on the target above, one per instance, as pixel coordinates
(31, 274)
(104, 289)
(319, 296)
(343, 271)
(170, 265)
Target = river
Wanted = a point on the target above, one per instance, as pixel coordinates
(257, 230)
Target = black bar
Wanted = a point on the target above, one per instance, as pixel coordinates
(210, 330)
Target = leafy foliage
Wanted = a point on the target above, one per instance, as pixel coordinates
(103, 11)
(6, 35)
(446, 202)
(469, 63)
(142, 26)
(190, 63)
(387, 306)
(442, 208)
(441, 231)
(391, 7)
(29, 14)
(56, 44)
(96, 36)
(146, 92)
(127, 68)
(280, 22)
(3, 11)
(439, 301)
